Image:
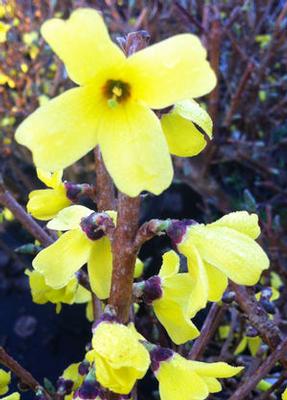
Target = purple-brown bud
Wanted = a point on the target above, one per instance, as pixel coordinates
(152, 289)
(177, 229)
(159, 354)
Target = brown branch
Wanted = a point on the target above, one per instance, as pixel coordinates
(249, 384)
(8, 201)
(209, 327)
(105, 194)
(124, 255)
(25, 377)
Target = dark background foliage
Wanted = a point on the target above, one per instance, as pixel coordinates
(243, 167)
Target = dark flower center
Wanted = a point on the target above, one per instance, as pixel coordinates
(116, 91)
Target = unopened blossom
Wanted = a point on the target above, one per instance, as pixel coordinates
(182, 379)
(44, 204)
(77, 246)
(5, 379)
(225, 249)
(183, 137)
(170, 295)
(42, 293)
(119, 357)
(112, 107)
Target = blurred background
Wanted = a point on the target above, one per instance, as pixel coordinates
(243, 167)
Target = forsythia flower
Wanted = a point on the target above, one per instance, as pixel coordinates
(44, 204)
(4, 28)
(69, 294)
(223, 249)
(112, 105)
(182, 379)
(59, 262)
(170, 295)
(120, 359)
(5, 378)
(183, 137)
(284, 395)
(6, 79)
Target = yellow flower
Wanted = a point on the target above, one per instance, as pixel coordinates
(69, 294)
(252, 343)
(60, 261)
(182, 379)
(284, 395)
(5, 378)
(45, 204)
(172, 298)
(112, 106)
(120, 359)
(4, 28)
(183, 137)
(6, 79)
(223, 249)
(13, 396)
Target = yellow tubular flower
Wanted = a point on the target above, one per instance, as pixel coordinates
(120, 359)
(171, 305)
(69, 294)
(183, 137)
(5, 378)
(60, 261)
(45, 204)
(4, 28)
(223, 249)
(112, 105)
(182, 379)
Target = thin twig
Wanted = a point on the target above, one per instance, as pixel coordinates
(24, 376)
(249, 384)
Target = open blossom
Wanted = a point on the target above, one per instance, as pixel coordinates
(113, 104)
(223, 249)
(170, 295)
(69, 294)
(74, 248)
(44, 204)
(182, 379)
(120, 359)
(4, 28)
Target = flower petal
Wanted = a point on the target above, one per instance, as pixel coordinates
(172, 70)
(100, 267)
(83, 44)
(242, 222)
(199, 293)
(44, 204)
(236, 255)
(170, 264)
(134, 149)
(51, 180)
(216, 370)
(69, 218)
(217, 282)
(191, 110)
(62, 259)
(183, 138)
(62, 131)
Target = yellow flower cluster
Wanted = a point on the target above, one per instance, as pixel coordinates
(5, 379)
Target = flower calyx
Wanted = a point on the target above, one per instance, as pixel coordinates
(96, 225)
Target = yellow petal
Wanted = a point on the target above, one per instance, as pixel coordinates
(183, 138)
(82, 295)
(177, 324)
(254, 343)
(216, 370)
(69, 218)
(62, 131)
(217, 282)
(242, 222)
(134, 149)
(170, 264)
(178, 381)
(172, 70)
(139, 267)
(44, 204)
(200, 289)
(236, 255)
(191, 110)
(13, 396)
(100, 267)
(5, 378)
(51, 180)
(62, 259)
(213, 384)
(83, 44)
(241, 346)
(284, 395)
